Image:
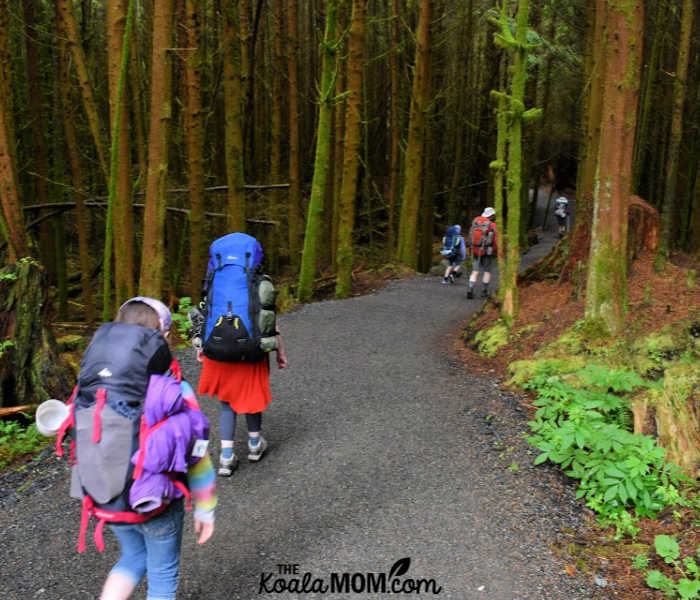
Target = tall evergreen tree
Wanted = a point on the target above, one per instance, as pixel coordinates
(153, 258)
(408, 224)
(356, 47)
(321, 163)
(606, 293)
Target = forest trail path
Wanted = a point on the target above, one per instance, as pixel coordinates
(381, 448)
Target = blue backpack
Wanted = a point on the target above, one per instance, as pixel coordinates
(451, 243)
(239, 302)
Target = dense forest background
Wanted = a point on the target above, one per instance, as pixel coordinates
(134, 132)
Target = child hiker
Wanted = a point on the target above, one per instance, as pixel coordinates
(454, 251)
(233, 339)
(140, 447)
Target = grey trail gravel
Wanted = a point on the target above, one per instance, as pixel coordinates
(382, 447)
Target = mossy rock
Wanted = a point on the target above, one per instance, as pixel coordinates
(652, 354)
(568, 344)
(522, 371)
(489, 341)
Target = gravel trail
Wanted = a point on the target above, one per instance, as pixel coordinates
(382, 447)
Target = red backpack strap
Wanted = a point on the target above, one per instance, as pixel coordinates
(84, 521)
(101, 396)
(176, 370)
(144, 432)
(99, 540)
(68, 422)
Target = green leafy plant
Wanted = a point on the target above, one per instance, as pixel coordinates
(17, 441)
(182, 323)
(640, 562)
(688, 585)
(586, 432)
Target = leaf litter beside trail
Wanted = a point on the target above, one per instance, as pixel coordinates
(547, 310)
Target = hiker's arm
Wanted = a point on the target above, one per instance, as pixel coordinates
(202, 483)
(281, 354)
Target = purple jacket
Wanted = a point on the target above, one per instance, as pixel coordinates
(168, 449)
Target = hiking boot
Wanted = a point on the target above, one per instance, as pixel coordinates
(485, 293)
(255, 451)
(451, 278)
(470, 294)
(227, 465)
(444, 280)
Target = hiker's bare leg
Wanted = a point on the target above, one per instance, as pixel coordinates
(487, 277)
(117, 587)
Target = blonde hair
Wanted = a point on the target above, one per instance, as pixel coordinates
(139, 313)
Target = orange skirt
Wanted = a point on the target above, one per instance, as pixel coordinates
(245, 386)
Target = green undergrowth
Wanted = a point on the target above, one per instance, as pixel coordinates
(591, 390)
(17, 441)
(685, 582)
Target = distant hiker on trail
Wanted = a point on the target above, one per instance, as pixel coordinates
(140, 448)
(561, 212)
(454, 251)
(234, 332)
(484, 247)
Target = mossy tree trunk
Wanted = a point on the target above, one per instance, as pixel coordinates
(646, 103)
(294, 201)
(65, 9)
(76, 170)
(336, 177)
(6, 75)
(322, 160)
(277, 133)
(356, 48)
(123, 211)
(233, 128)
(38, 152)
(115, 171)
(30, 368)
(498, 166)
(516, 115)
(194, 138)
(18, 242)
(413, 174)
(153, 258)
(394, 118)
(606, 293)
(668, 213)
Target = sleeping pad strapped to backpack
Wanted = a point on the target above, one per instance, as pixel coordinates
(105, 421)
(239, 302)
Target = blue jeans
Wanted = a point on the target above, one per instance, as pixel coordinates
(153, 548)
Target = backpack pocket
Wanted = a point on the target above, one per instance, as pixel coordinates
(103, 467)
(230, 341)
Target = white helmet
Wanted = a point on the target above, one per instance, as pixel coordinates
(561, 200)
(488, 212)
